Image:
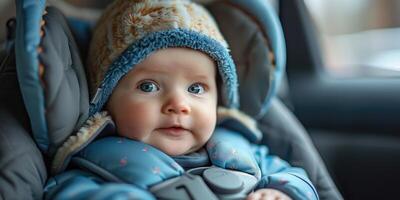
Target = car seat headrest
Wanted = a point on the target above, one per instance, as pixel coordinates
(256, 40)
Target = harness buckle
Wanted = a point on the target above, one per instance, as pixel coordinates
(206, 183)
(183, 187)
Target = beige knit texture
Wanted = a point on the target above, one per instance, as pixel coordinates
(126, 21)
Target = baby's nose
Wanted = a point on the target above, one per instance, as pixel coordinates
(176, 105)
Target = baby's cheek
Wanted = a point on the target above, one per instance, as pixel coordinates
(135, 122)
(206, 124)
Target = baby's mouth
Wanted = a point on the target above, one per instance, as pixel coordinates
(174, 131)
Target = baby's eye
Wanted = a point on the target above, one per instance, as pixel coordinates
(148, 86)
(196, 88)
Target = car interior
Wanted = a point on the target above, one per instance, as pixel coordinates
(342, 130)
(352, 121)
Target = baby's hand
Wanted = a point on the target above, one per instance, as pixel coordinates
(268, 194)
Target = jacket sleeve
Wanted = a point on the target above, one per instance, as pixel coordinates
(278, 174)
(81, 185)
(231, 150)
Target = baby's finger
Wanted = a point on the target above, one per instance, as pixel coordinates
(268, 194)
(254, 196)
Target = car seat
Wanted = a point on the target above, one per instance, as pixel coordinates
(50, 100)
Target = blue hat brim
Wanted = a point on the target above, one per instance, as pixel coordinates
(142, 48)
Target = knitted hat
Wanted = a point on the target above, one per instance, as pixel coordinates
(130, 30)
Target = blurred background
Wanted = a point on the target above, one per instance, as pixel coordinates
(359, 36)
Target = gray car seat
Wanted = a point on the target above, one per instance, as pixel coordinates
(53, 86)
(22, 169)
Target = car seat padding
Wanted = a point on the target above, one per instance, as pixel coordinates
(21, 163)
(51, 75)
(257, 46)
(66, 92)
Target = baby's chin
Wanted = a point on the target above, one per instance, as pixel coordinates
(173, 147)
(176, 151)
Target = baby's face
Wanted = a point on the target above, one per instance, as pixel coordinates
(168, 101)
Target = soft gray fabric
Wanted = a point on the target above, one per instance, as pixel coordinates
(23, 172)
(249, 51)
(287, 138)
(66, 92)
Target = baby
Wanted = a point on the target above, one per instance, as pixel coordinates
(161, 69)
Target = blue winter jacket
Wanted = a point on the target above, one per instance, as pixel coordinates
(120, 168)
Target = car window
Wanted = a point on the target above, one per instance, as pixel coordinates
(358, 37)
